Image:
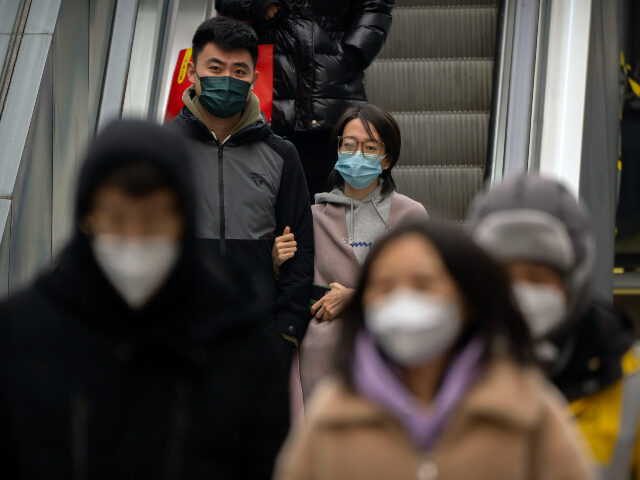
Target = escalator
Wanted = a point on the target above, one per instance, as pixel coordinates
(435, 75)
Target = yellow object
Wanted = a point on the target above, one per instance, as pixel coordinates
(183, 67)
(599, 417)
(635, 87)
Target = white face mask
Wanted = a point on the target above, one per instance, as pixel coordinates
(413, 327)
(544, 307)
(136, 268)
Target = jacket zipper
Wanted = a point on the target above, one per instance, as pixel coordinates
(221, 200)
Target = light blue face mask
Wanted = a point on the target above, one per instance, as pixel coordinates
(358, 170)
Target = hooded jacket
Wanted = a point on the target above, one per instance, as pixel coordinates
(90, 388)
(321, 49)
(593, 339)
(249, 187)
(337, 261)
(366, 219)
(514, 200)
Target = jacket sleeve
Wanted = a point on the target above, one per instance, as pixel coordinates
(296, 274)
(267, 419)
(560, 452)
(371, 21)
(248, 10)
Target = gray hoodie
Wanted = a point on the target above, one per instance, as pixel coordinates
(366, 218)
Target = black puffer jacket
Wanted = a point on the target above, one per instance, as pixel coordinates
(591, 353)
(321, 48)
(190, 386)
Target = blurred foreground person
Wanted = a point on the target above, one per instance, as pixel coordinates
(540, 231)
(435, 378)
(130, 358)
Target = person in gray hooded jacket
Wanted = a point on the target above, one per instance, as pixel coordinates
(540, 232)
(347, 221)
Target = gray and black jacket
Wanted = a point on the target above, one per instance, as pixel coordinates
(249, 187)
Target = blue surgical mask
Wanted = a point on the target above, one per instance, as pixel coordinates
(358, 170)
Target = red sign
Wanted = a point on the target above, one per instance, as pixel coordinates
(263, 88)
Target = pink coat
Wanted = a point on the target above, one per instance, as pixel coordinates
(335, 261)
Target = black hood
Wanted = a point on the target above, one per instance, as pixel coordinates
(76, 277)
(128, 141)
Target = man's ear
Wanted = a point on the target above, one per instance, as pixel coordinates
(191, 72)
(255, 79)
(386, 163)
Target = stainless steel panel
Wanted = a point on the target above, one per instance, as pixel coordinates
(71, 119)
(599, 172)
(523, 63)
(8, 12)
(100, 20)
(42, 16)
(145, 49)
(31, 203)
(19, 107)
(118, 62)
(4, 45)
(5, 244)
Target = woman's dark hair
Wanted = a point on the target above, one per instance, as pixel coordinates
(491, 311)
(227, 34)
(387, 128)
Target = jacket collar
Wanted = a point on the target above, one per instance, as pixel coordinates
(506, 394)
(252, 125)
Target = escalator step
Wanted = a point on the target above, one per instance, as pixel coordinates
(445, 192)
(441, 32)
(426, 85)
(444, 3)
(437, 139)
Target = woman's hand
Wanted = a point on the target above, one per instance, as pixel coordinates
(333, 303)
(284, 248)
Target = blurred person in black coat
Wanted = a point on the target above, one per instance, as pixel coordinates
(321, 49)
(131, 357)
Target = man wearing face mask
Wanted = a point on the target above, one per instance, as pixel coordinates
(132, 357)
(249, 182)
(541, 233)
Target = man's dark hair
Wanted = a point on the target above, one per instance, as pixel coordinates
(388, 130)
(491, 310)
(227, 34)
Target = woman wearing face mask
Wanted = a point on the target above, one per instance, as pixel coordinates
(361, 207)
(435, 377)
(539, 230)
